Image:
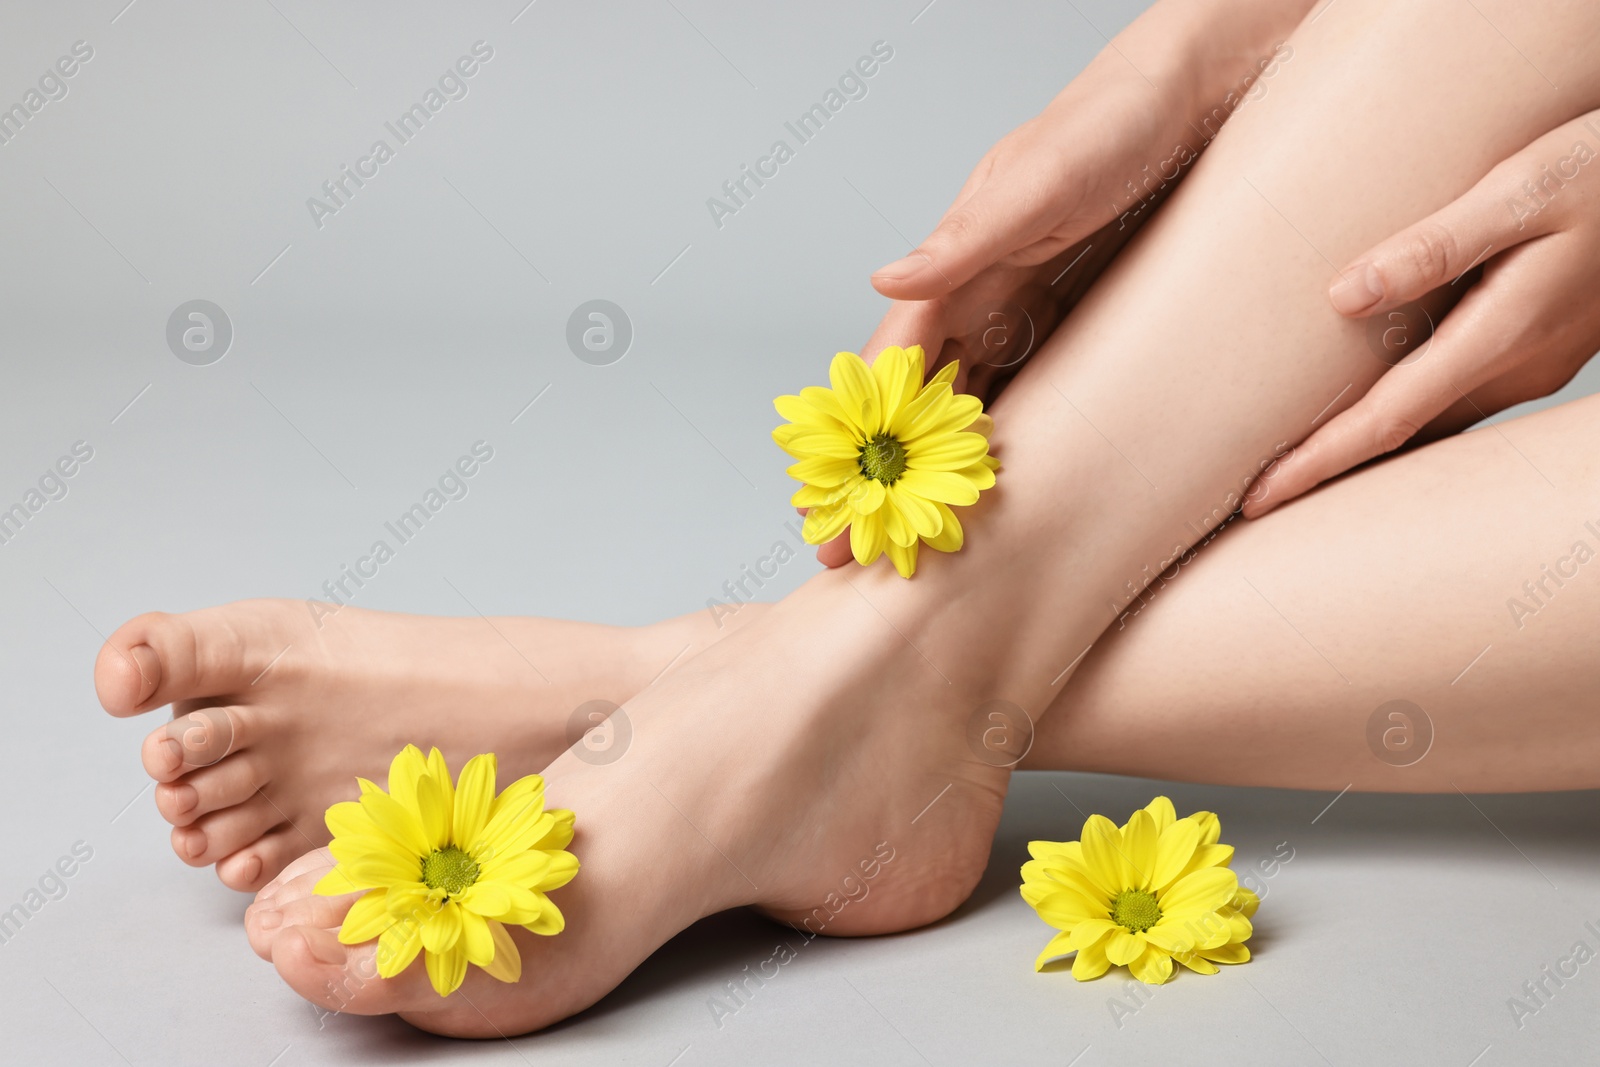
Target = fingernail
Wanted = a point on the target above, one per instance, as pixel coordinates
(1357, 289)
(270, 919)
(324, 945)
(144, 657)
(172, 752)
(911, 268)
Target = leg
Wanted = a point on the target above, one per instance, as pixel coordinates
(1261, 662)
(834, 726)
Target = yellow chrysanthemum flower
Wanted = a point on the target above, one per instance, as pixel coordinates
(1154, 890)
(886, 455)
(448, 868)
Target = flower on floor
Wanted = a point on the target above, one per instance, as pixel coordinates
(448, 868)
(1154, 890)
(886, 455)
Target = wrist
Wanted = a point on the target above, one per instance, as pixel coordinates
(1205, 57)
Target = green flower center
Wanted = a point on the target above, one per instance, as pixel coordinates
(1136, 910)
(883, 459)
(449, 869)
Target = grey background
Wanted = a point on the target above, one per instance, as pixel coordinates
(426, 315)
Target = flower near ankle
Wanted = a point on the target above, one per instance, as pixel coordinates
(1155, 890)
(447, 868)
(886, 455)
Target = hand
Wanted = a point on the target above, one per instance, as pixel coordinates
(1519, 333)
(1048, 207)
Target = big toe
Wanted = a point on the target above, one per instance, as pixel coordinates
(158, 658)
(344, 978)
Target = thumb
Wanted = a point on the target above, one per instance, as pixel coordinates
(996, 220)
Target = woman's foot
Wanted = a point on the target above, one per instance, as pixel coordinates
(276, 710)
(814, 764)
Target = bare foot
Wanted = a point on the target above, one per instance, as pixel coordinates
(810, 754)
(274, 714)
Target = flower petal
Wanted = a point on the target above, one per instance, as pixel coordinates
(1162, 811)
(1174, 850)
(899, 375)
(856, 390)
(1203, 891)
(408, 765)
(825, 523)
(1091, 931)
(366, 919)
(397, 947)
(922, 515)
(398, 821)
(867, 538)
(866, 496)
(1102, 855)
(946, 452)
(476, 940)
(1057, 947)
(1124, 946)
(825, 471)
(904, 558)
(1139, 848)
(442, 929)
(1232, 953)
(550, 920)
(447, 970)
(474, 798)
(507, 962)
(950, 537)
(1091, 962)
(946, 487)
(954, 414)
(1152, 968)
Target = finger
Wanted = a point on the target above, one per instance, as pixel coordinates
(1002, 215)
(836, 553)
(1503, 210)
(1468, 350)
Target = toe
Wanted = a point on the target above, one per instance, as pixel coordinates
(222, 833)
(157, 658)
(262, 860)
(200, 792)
(344, 978)
(198, 738)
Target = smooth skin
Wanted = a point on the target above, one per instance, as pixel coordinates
(755, 778)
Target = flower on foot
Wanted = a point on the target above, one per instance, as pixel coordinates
(1154, 890)
(886, 455)
(447, 868)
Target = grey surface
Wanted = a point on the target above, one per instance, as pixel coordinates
(426, 315)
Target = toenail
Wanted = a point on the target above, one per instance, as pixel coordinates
(325, 948)
(251, 870)
(148, 665)
(184, 798)
(270, 919)
(194, 845)
(171, 752)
